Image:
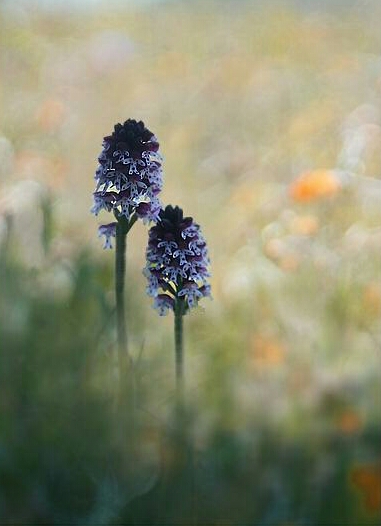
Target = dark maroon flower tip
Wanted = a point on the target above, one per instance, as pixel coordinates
(132, 136)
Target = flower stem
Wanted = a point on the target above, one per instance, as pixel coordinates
(120, 270)
(179, 347)
(126, 390)
(123, 226)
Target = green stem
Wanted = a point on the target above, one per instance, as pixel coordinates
(120, 270)
(126, 392)
(179, 346)
(123, 226)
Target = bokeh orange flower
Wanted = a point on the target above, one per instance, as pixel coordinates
(266, 351)
(372, 299)
(289, 263)
(349, 422)
(367, 479)
(305, 225)
(51, 114)
(35, 165)
(314, 184)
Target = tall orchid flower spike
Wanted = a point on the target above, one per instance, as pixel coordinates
(128, 181)
(129, 174)
(176, 270)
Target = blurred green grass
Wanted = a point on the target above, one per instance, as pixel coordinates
(269, 121)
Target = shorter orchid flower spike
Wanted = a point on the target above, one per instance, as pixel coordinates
(177, 261)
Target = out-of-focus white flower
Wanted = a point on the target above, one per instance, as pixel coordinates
(358, 132)
(109, 51)
(22, 204)
(6, 156)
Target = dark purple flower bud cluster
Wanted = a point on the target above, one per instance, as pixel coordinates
(177, 261)
(129, 175)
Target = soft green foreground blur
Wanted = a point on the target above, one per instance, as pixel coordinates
(269, 120)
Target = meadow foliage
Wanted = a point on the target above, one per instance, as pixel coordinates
(270, 128)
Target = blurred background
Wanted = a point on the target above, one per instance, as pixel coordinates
(269, 120)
